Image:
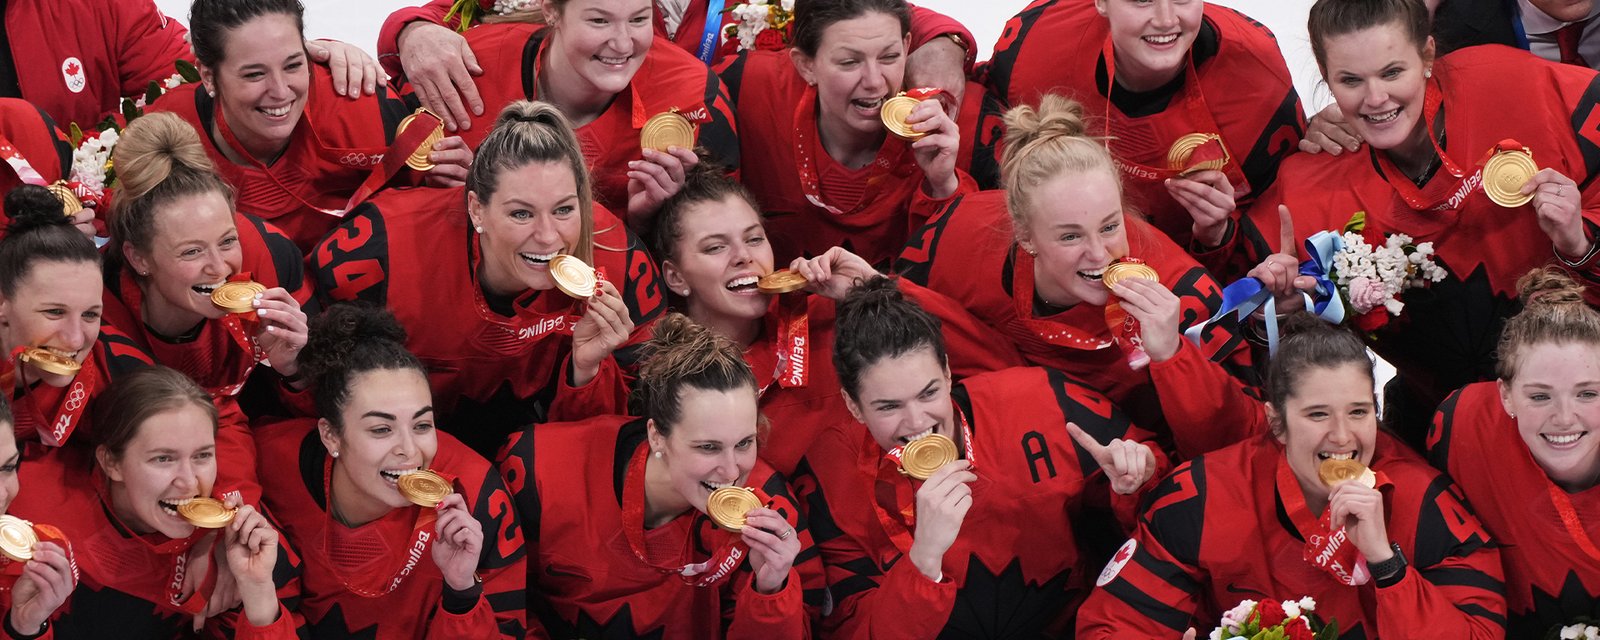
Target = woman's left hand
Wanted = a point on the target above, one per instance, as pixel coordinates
(604, 327)
(1360, 511)
(771, 554)
(1157, 309)
(283, 330)
(451, 158)
(460, 540)
(1209, 199)
(1126, 463)
(1559, 204)
(354, 72)
(833, 273)
(655, 178)
(936, 152)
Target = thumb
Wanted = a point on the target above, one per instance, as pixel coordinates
(318, 51)
(1189, 635)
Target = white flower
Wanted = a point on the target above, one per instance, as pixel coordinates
(1307, 604)
(172, 82)
(1394, 306)
(1571, 632)
(788, 5)
(1216, 634)
(1291, 609)
(511, 6)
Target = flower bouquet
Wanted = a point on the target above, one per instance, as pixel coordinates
(1271, 620)
(1582, 630)
(758, 24)
(1372, 278)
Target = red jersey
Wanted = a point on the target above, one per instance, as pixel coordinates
(76, 59)
(378, 580)
(495, 365)
(668, 80)
(1551, 581)
(1014, 570)
(968, 252)
(789, 173)
(47, 417)
(605, 576)
(1236, 85)
(1446, 336)
(37, 145)
(333, 149)
(1208, 541)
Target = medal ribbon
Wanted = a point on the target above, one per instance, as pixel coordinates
(1443, 200)
(19, 164)
(794, 340)
(1569, 519)
(11, 570)
(730, 549)
(74, 401)
(707, 51)
(891, 156)
(1057, 333)
(421, 539)
(895, 493)
(176, 548)
(1327, 548)
(1198, 114)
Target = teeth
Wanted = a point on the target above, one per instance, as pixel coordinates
(713, 486)
(396, 475)
(868, 104)
(1566, 438)
(606, 60)
(171, 506)
(919, 436)
(1383, 117)
(1350, 455)
(62, 352)
(278, 112)
(208, 288)
(1161, 39)
(539, 257)
(1093, 274)
(739, 283)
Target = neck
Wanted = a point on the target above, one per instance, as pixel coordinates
(346, 504)
(1316, 496)
(1143, 81)
(846, 146)
(741, 331)
(662, 503)
(1580, 481)
(560, 85)
(1417, 154)
(263, 151)
(164, 318)
(1045, 287)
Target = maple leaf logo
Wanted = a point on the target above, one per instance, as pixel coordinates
(72, 68)
(1123, 554)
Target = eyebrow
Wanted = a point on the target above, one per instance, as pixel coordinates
(389, 416)
(524, 203)
(925, 388)
(1103, 221)
(263, 65)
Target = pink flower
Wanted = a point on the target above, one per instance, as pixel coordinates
(1367, 294)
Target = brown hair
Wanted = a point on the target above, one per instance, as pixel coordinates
(527, 132)
(681, 354)
(348, 339)
(1553, 312)
(876, 321)
(39, 232)
(159, 159)
(1330, 18)
(210, 21)
(704, 182)
(813, 17)
(1309, 343)
(133, 398)
(1044, 142)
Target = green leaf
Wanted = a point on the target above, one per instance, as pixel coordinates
(1357, 222)
(187, 71)
(151, 93)
(129, 110)
(75, 134)
(467, 11)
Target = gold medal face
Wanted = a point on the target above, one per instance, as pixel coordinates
(667, 130)
(727, 506)
(424, 488)
(419, 158)
(1182, 148)
(1504, 175)
(573, 277)
(17, 538)
(894, 112)
(781, 281)
(49, 361)
(70, 204)
(1335, 472)
(1119, 271)
(207, 513)
(923, 457)
(237, 297)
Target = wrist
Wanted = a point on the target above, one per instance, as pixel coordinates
(410, 28)
(930, 564)
(17, 629)
(260, 609)
(941, 189)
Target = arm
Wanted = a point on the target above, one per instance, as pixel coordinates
(496, 606)
(1152, 586)
(1454, 586)
(389, 35)
(970, 343)
(789, 611)
(150, 43)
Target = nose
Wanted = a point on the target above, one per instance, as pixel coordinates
(216, 264)
(1377, 95)
(405, 447)
(876, 81)
(1566, 413)
(545, 232)
(618, 39)
(74, 336)
(1097, 253)
(1165, 15)
(187, 480)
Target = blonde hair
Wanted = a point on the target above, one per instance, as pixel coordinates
(159, 158)
(1553, 312)
(527, 132)
(1044, 142)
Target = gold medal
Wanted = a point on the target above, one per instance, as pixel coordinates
(237, 297)
(727, 506)
(573, 277)
(781, 281)
(1183, 148)
(1124, 269)
(923, 457)
(425, 488)
(894, 112)
(70, 204)
(664, 130)
(1504, 175)
(17, 538)
(419, 158)
(1334, 472)
(207, 513)
(49, 361)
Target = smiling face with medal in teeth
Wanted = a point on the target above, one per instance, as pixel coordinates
(904, 398)
(718, 251)
(1074, 229)
(385, 431)
(859, 63)
(711, 445)
(191, 249)
(1555, 398)
(56, 305)
(1151, 38)
(1329, 414)
(169, 461)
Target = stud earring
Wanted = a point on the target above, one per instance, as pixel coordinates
(658, 455)
(1427, 73)
(478, 228)
(335, 454)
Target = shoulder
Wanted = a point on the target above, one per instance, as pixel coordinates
(121, 352)
(180, 100)
(1245, 41)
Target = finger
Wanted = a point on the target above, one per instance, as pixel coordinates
(339, 67)
(1120, 464)
(670, 165)
(451, 96)
(371, 73)
(470, 59)
(1286, 243)
(1095, 449)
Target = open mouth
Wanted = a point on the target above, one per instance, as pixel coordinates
(1343, 455)
(171, 506)
(868, 106)
(713, 486)
(1160, 40)
(64, 353)
(540, 260)
(275, 112)
(1093, 275)
(1381, 118)
(916, 436)
(613, 62)
(392, 476)
(742, 284)
(206, 289)
(1563, 440)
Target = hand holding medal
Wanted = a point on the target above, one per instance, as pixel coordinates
(250, 544)
(459, 542)
(942, 504)
(1144, 314)
(445, 160)
(934, 137)
(667, 154)
(833, 273)
(281, 329)
(1558, 201)
(605, 325)
(1356, 505)
(771, 539)
(1201, 186)
(47, 579)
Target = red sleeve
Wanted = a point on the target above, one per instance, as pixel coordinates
(606, 394)
(927, 24)
(1454, 586)
(477, 623)
(389, 35)
(236, 450)
(923, 207)
(777, 616)
(150, 43)
(970, 344)
(1206, 408)
(281, 629)
(1151, 587)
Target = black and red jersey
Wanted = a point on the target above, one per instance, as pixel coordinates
(968, 253)
(1237, 86)
(784, 164)
(378, 580)
(668, 80)
(1015, 570)
(333, 149)
(37, 142)
(47, 417)
(1218, 531)
(492, 371)
(1551, 580)
(588, 578)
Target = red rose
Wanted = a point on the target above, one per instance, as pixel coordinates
(1372, 320)
(1271, 612)
(770, 40)
(1299, 631)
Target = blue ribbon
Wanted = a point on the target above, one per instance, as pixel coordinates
(1325, 303)
(708, 40)
(1246, 295)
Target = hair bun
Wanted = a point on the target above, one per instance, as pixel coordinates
(152, 148)
(1055, 117)
(32, 207)
(341, 329)
(1548, 286)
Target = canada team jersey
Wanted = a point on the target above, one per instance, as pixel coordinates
(1445, 338)
(39, 153)
(599, 574)
(968, 253)
(47, 417)
(667, 80)
(491, 373)
(1219, 531)
(378, 580)
(1551, 579)
(1241, 91)
(335, 146)
(1014, 570)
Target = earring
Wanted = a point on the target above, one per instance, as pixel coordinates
(658, 455)
(1427, 73)
(334, 454)
(478, 228)
(684, 293)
